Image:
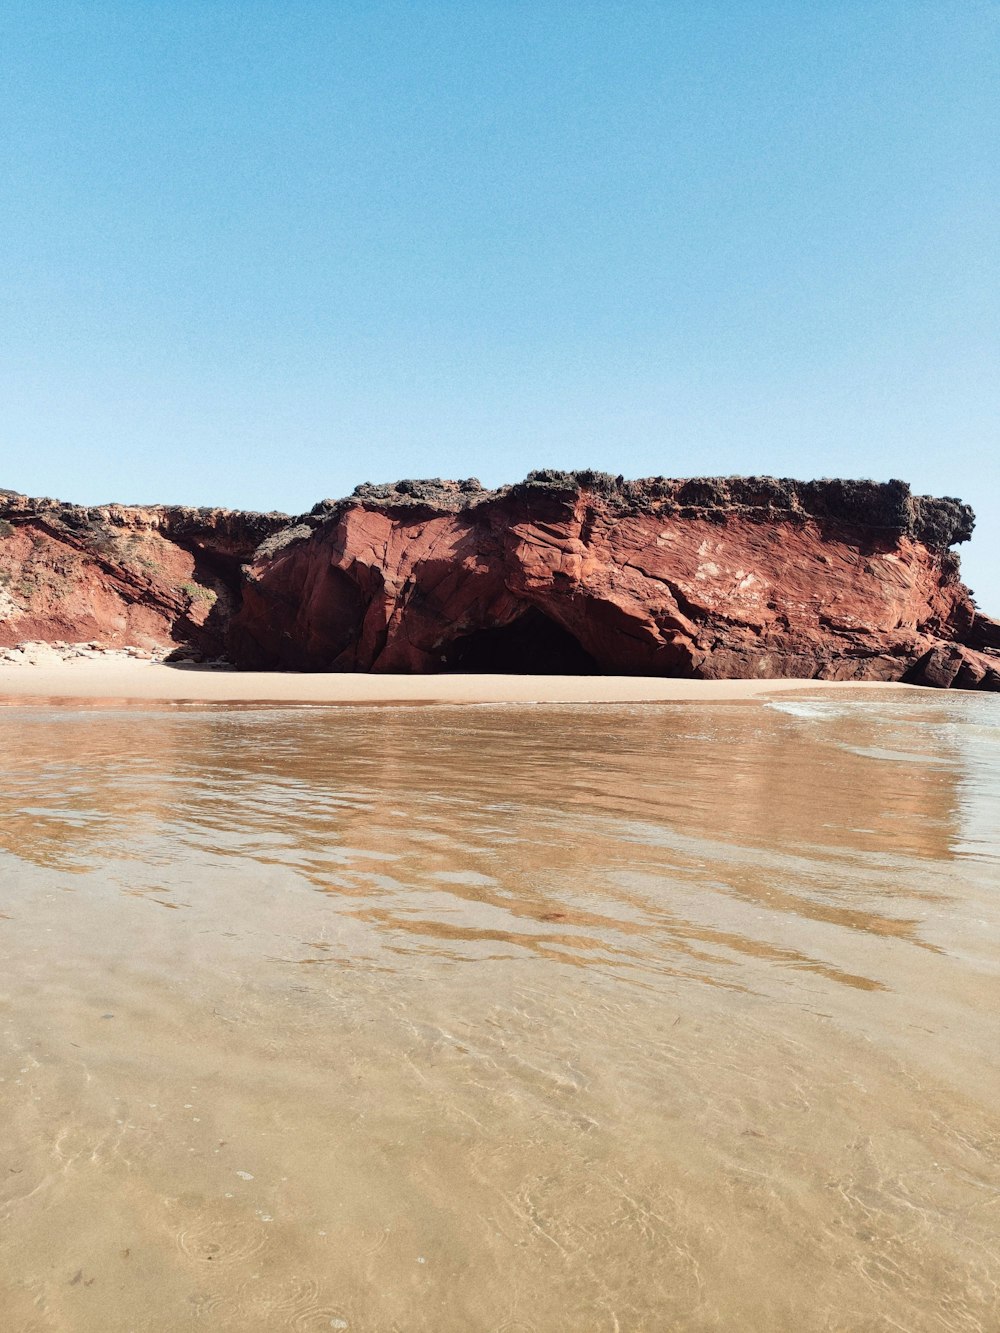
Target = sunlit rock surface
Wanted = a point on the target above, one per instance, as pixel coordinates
(154, 576)
(565, 572)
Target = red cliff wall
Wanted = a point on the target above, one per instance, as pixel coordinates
(151, 576)
(565, 572)
(838, 581)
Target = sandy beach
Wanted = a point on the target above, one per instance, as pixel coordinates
(114, 678)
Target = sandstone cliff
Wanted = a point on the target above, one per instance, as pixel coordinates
(154, 576)
(566, 572)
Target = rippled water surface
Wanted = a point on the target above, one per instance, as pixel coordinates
(661, 1017)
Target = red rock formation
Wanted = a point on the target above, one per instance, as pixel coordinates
(156, 577)
(565, 572)
(582, 572)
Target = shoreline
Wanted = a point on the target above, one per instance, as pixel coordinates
(133, 680)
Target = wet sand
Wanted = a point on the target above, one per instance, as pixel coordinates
(545, 1019)
(116, 679)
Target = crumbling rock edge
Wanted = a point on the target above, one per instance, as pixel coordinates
(564, 572)
(939, 522)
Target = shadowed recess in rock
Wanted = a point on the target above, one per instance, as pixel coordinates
(532, 644)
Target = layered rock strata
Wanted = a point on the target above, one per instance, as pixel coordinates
(147, 576)
(565, 572)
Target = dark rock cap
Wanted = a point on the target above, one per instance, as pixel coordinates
(886, 506)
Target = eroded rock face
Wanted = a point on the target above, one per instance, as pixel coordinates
(155, 577)
(709, 578)
(565, 572)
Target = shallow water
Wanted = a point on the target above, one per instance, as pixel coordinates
(670, 1017)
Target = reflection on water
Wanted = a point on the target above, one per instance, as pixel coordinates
(523, 1018)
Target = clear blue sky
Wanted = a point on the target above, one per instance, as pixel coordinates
(255, 253)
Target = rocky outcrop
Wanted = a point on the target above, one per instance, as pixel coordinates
(150, 576)
(574, 572)
(565, 572)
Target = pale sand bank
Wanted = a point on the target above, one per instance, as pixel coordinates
(117, 679)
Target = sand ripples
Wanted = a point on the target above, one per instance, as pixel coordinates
(222, 1240)
(262, 1303)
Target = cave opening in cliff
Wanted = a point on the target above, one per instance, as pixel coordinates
(530, 645)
